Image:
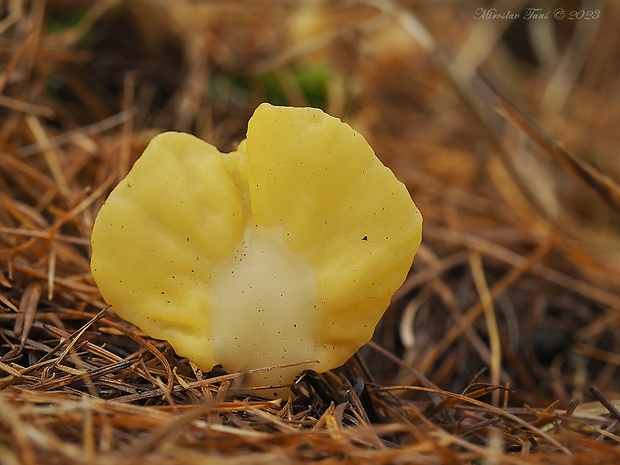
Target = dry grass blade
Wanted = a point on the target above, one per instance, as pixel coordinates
(27, 308)
(603, 184)
(495, 410)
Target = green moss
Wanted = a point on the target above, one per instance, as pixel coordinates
(63, 19)
(233, 89)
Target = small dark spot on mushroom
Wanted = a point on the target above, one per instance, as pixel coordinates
(365, 238)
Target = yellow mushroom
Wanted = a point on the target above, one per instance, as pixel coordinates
(288, 249)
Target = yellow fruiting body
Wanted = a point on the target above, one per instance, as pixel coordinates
(288, 249)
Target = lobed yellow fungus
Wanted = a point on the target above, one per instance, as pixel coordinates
(288, 249)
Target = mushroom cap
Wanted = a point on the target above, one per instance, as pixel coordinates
(285, 250)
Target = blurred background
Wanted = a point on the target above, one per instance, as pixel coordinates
(501, 117)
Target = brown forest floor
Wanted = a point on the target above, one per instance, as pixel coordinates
(503, 346)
